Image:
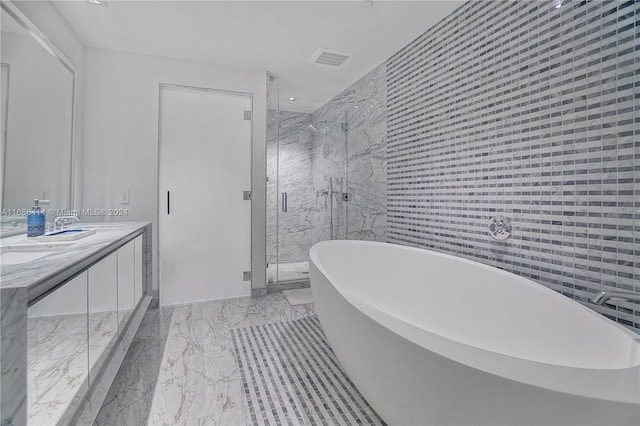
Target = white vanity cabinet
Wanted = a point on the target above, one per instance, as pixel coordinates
(73, 329)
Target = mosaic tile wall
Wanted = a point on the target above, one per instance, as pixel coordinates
(528, 109)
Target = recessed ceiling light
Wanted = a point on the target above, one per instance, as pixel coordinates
(291, 98)
(355, 106)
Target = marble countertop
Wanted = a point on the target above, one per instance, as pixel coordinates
(66, 256)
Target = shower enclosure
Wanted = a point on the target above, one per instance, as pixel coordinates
(307, 187)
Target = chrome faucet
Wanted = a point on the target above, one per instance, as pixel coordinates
(60, 221)
(603, 296)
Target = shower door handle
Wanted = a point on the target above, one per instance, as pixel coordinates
(168, 203)
(284, 202)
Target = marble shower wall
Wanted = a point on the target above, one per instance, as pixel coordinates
(328, 172)
(294, 178)
(364, 175)
(355, 161)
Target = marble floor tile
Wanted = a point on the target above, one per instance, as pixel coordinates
(181, 368)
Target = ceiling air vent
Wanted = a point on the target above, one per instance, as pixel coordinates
(330, 58)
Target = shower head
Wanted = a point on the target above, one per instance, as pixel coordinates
(319, 127)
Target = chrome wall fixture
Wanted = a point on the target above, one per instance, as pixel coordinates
(605, 296)
(500, 227)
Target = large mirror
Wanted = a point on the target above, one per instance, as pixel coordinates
(37, 109)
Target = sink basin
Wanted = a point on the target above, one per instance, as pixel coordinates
(66, 235)
(17, 257)
(23, 253)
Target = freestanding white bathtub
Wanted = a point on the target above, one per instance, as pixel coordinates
(431, 339)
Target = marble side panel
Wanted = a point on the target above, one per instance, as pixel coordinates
(13, 356)
(57, 367)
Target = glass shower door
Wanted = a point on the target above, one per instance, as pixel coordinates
(306, 187)
(296, 198)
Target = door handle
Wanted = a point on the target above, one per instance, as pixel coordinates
(284, 202)
(168, 202)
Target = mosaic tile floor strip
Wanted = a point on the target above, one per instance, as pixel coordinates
(291, 376)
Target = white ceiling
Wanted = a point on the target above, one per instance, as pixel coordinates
(278, 36)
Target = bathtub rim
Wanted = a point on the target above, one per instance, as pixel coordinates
(603, 384)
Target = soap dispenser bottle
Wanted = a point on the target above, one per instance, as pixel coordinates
(36, 219)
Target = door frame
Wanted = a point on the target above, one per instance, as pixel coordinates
(251, 175)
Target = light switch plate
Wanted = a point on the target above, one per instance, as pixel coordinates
(44, 194)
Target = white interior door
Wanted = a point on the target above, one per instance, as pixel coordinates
(205, 165)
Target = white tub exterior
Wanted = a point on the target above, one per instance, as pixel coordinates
(431, 339)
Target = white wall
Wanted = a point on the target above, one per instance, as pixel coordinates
(52, 24)
(121, 134)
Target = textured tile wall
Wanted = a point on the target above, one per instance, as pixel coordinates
(13, 356)
(529, 110)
